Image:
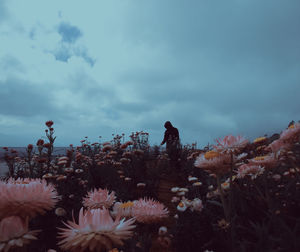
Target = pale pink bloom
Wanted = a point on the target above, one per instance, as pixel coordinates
(149, 211)
(123, 209)
(217, 165)
(230, 142)
(249, 169)
(14, 233)
(196, 205)
(99, 198)
(267, 161)
(95, 231)
(291, 134)
(26, 197)
(278, 145)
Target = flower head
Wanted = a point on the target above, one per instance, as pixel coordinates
(49, 123)
(267, 161)
(123, 209)
(149, 211)
(217, 164)
(14, 233)
(26, 197)
(249, 169)
(99, 198)
(96, 230)
(230, 142)
(196, 205)
(291, 134)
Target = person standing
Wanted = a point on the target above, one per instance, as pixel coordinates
(171, 139)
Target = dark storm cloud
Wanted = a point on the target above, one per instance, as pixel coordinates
(21, 98)
(235, 63)
(69, 33)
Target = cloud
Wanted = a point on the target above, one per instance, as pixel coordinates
(211, 68)
(70, 34)
(23, 98)
(3, 11)
(68, 47)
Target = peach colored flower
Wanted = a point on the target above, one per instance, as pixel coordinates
(267, 161)
(278, 145)
(291, 134)
(216, 164)
(123, 209)
(95, 231)
(149, 211)
(249, 169)
(99, 198)
(14, 233)
(260, 140)
(230, 142)
(26, 197)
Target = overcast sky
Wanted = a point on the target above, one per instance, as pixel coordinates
(98, 68)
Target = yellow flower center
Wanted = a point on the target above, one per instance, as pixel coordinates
(181, 204)
(259, 158)
(259, 139)
(21, 183)
(292, 126)
(211, 154)
(127, 204)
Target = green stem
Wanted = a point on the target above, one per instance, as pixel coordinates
(224, 203)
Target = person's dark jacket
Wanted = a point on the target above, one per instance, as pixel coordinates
(171, 137)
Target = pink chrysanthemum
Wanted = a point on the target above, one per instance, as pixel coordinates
(267, 161)
(99, 198)
(251, 170)
(214, 162)
(230, 143)
(14, 233)
(278, 145)
(95, 231)
(26, 197)
(291, 134)
(123, 209)
(149, 211)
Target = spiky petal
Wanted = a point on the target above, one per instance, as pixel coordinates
(218, 164)
(99, 198)
(149, 211)
(95, 231)
(14, 233)
(230, 143)
(26, 197)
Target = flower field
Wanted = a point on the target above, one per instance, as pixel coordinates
(124, 195)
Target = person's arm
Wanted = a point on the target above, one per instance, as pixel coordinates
(165, 139)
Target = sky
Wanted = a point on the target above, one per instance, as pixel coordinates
(97, 68)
